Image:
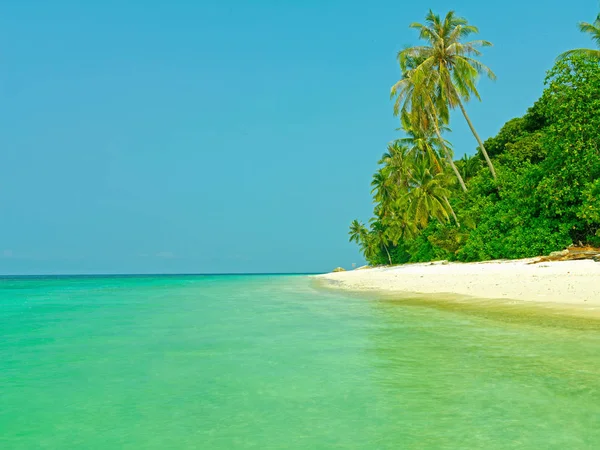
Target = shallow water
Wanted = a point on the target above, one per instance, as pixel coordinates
(262, 362)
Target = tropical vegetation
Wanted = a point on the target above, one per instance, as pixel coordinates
(532, 189)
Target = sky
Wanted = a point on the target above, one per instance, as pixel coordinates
(223, 136)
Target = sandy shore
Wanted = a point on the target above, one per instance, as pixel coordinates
(568, 283)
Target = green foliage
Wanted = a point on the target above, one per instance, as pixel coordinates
(546, 197)
(422, 249)
(509, 223)
(568, 188)
(590, 208)
(448, 239)
(511, 132)
(520, 139)
(400, 254)
(549, 192)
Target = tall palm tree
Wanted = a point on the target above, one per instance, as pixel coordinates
(447, 66)
(421, 108)
(593, 29)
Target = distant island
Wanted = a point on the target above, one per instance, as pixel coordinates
(532, 189)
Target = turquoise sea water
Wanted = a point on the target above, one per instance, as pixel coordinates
(268, 362)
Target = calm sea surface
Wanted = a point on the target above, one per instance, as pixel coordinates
(268, 362)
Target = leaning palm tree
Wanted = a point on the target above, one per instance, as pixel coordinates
(447, 66)
(593, 29)
(421, 108)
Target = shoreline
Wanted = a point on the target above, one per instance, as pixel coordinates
(564, 283)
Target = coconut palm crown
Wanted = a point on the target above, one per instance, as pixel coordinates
(447, 66)
(593, 29)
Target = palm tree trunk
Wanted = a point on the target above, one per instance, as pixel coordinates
(452, 211)
(449, 158)
(388, 253)
(455, 169)
(481, 146)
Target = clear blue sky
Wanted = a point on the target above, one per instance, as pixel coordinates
(222, 136)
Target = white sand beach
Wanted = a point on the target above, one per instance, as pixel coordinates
(565, 282)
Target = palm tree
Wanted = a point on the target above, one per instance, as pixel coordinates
(371, 249)
(378, 237)
(447, 67)
(469, 166)
(420, 110)
(371, 242)
(422, 143)
(382, 191)
(358, 232)
(396, 163)
(594, 30)
(427, 198)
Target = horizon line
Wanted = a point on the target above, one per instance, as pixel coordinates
(151, 274)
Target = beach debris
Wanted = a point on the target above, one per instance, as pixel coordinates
(572, 253)
(339, 269)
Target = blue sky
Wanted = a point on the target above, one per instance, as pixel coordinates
(222, 136)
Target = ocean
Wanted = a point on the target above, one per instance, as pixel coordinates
(271, 362)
